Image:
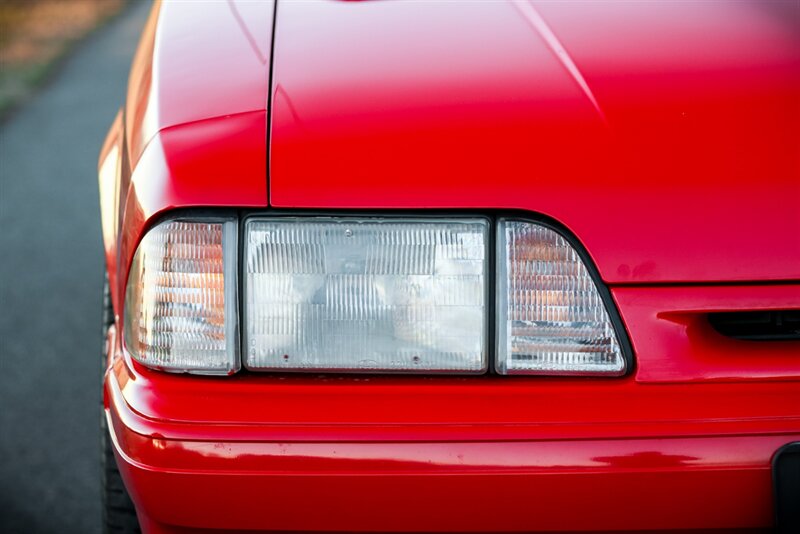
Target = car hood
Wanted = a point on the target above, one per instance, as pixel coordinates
(664, 136)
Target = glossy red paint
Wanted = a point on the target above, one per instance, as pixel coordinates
(253, 406)
(688, 168)
(463, 487)
(663, 135)
(197, 63)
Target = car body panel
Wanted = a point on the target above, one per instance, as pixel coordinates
(109, 176)
(454, 486)
(196, 64)
(687, 169)
(257, 407)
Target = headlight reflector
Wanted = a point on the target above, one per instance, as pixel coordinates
(378, 295)
(551, 318)
(180, 300)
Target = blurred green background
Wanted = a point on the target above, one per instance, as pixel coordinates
(35, 34)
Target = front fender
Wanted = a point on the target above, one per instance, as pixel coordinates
(109, 171)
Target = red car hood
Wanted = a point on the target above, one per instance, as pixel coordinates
(664, 136)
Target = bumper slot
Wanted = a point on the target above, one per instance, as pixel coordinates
(767, 325)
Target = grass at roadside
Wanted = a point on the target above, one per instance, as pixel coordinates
(34, 34)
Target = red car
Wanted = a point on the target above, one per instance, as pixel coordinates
(432, 266)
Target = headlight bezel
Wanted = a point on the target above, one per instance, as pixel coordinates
(492, 271)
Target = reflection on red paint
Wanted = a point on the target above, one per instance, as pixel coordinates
(694, 177)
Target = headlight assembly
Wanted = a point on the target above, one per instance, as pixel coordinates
(369, 295)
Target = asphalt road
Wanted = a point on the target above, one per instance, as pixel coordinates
(51, 284)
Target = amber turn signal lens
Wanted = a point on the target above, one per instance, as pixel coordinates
(180, 301)
(551, 318)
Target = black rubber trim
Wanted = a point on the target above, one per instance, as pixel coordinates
(491, 299)
(786, 488)
(268, 129)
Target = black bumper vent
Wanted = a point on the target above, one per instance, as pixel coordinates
(773, 325)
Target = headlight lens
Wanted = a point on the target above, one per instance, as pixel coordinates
(551, 318)
(180, 301)
(378, 295)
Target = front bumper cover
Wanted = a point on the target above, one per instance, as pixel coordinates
(566, 471)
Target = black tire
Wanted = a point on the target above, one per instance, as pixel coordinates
(119, 514)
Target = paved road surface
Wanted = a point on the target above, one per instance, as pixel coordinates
(50, 285)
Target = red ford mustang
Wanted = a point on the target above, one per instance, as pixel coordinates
(435, 266)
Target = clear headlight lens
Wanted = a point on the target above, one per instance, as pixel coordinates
(551, 318)
(377, 295)
(180, 301)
